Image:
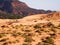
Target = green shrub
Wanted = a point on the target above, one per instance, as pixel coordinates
(48, 41)
(28, 39)
(2, 40)
(1, 35)
(4, 43)
(37, 26)
(25, 44)
(16, 34)
(10, 16)
(39, 43)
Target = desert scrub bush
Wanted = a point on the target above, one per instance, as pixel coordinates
(27, 30)
(37, 26)
(28, 34)
(3, 40)
(3, 26)
(17, 40)
(39, 43)
(28, 39)
(53, 29)
(1, 35)
(53, 35)
(38, 31)
(17, 26)
(15, 34)
(59, 25)
(46, 44)
(53, 26)
(50, 24)
(5, 43)
(10, 16)
(24, 44)
(48, 41)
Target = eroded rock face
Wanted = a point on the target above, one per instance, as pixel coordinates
(5, 5)
(18, 7)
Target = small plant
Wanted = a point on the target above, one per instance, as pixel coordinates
(10, 16)
(27, 30)
(4, 43)
(46, 44)
(37, 26)
(52, 35)
(14, 34)
(53, 29)
(3, 26)
(17, 26)
(48, 41)
(2, 40)
(50, 24)
(59, 25)
(38, 31)
(25, 44)
(28, 39)
(1, 35)
(39, 43)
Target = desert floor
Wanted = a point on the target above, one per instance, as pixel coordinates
(30, 30)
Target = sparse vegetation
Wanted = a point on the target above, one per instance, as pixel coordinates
(28, 39)
(10, 16)
(37, 26)
(16, 34)
(4, 43)
(48, 41)
(1, 35)
(2, 40)
(39, 43)
(42, 34)
(25, 44)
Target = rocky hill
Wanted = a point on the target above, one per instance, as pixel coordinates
(18, 7)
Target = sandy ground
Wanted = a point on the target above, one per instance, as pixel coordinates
(17, 28)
